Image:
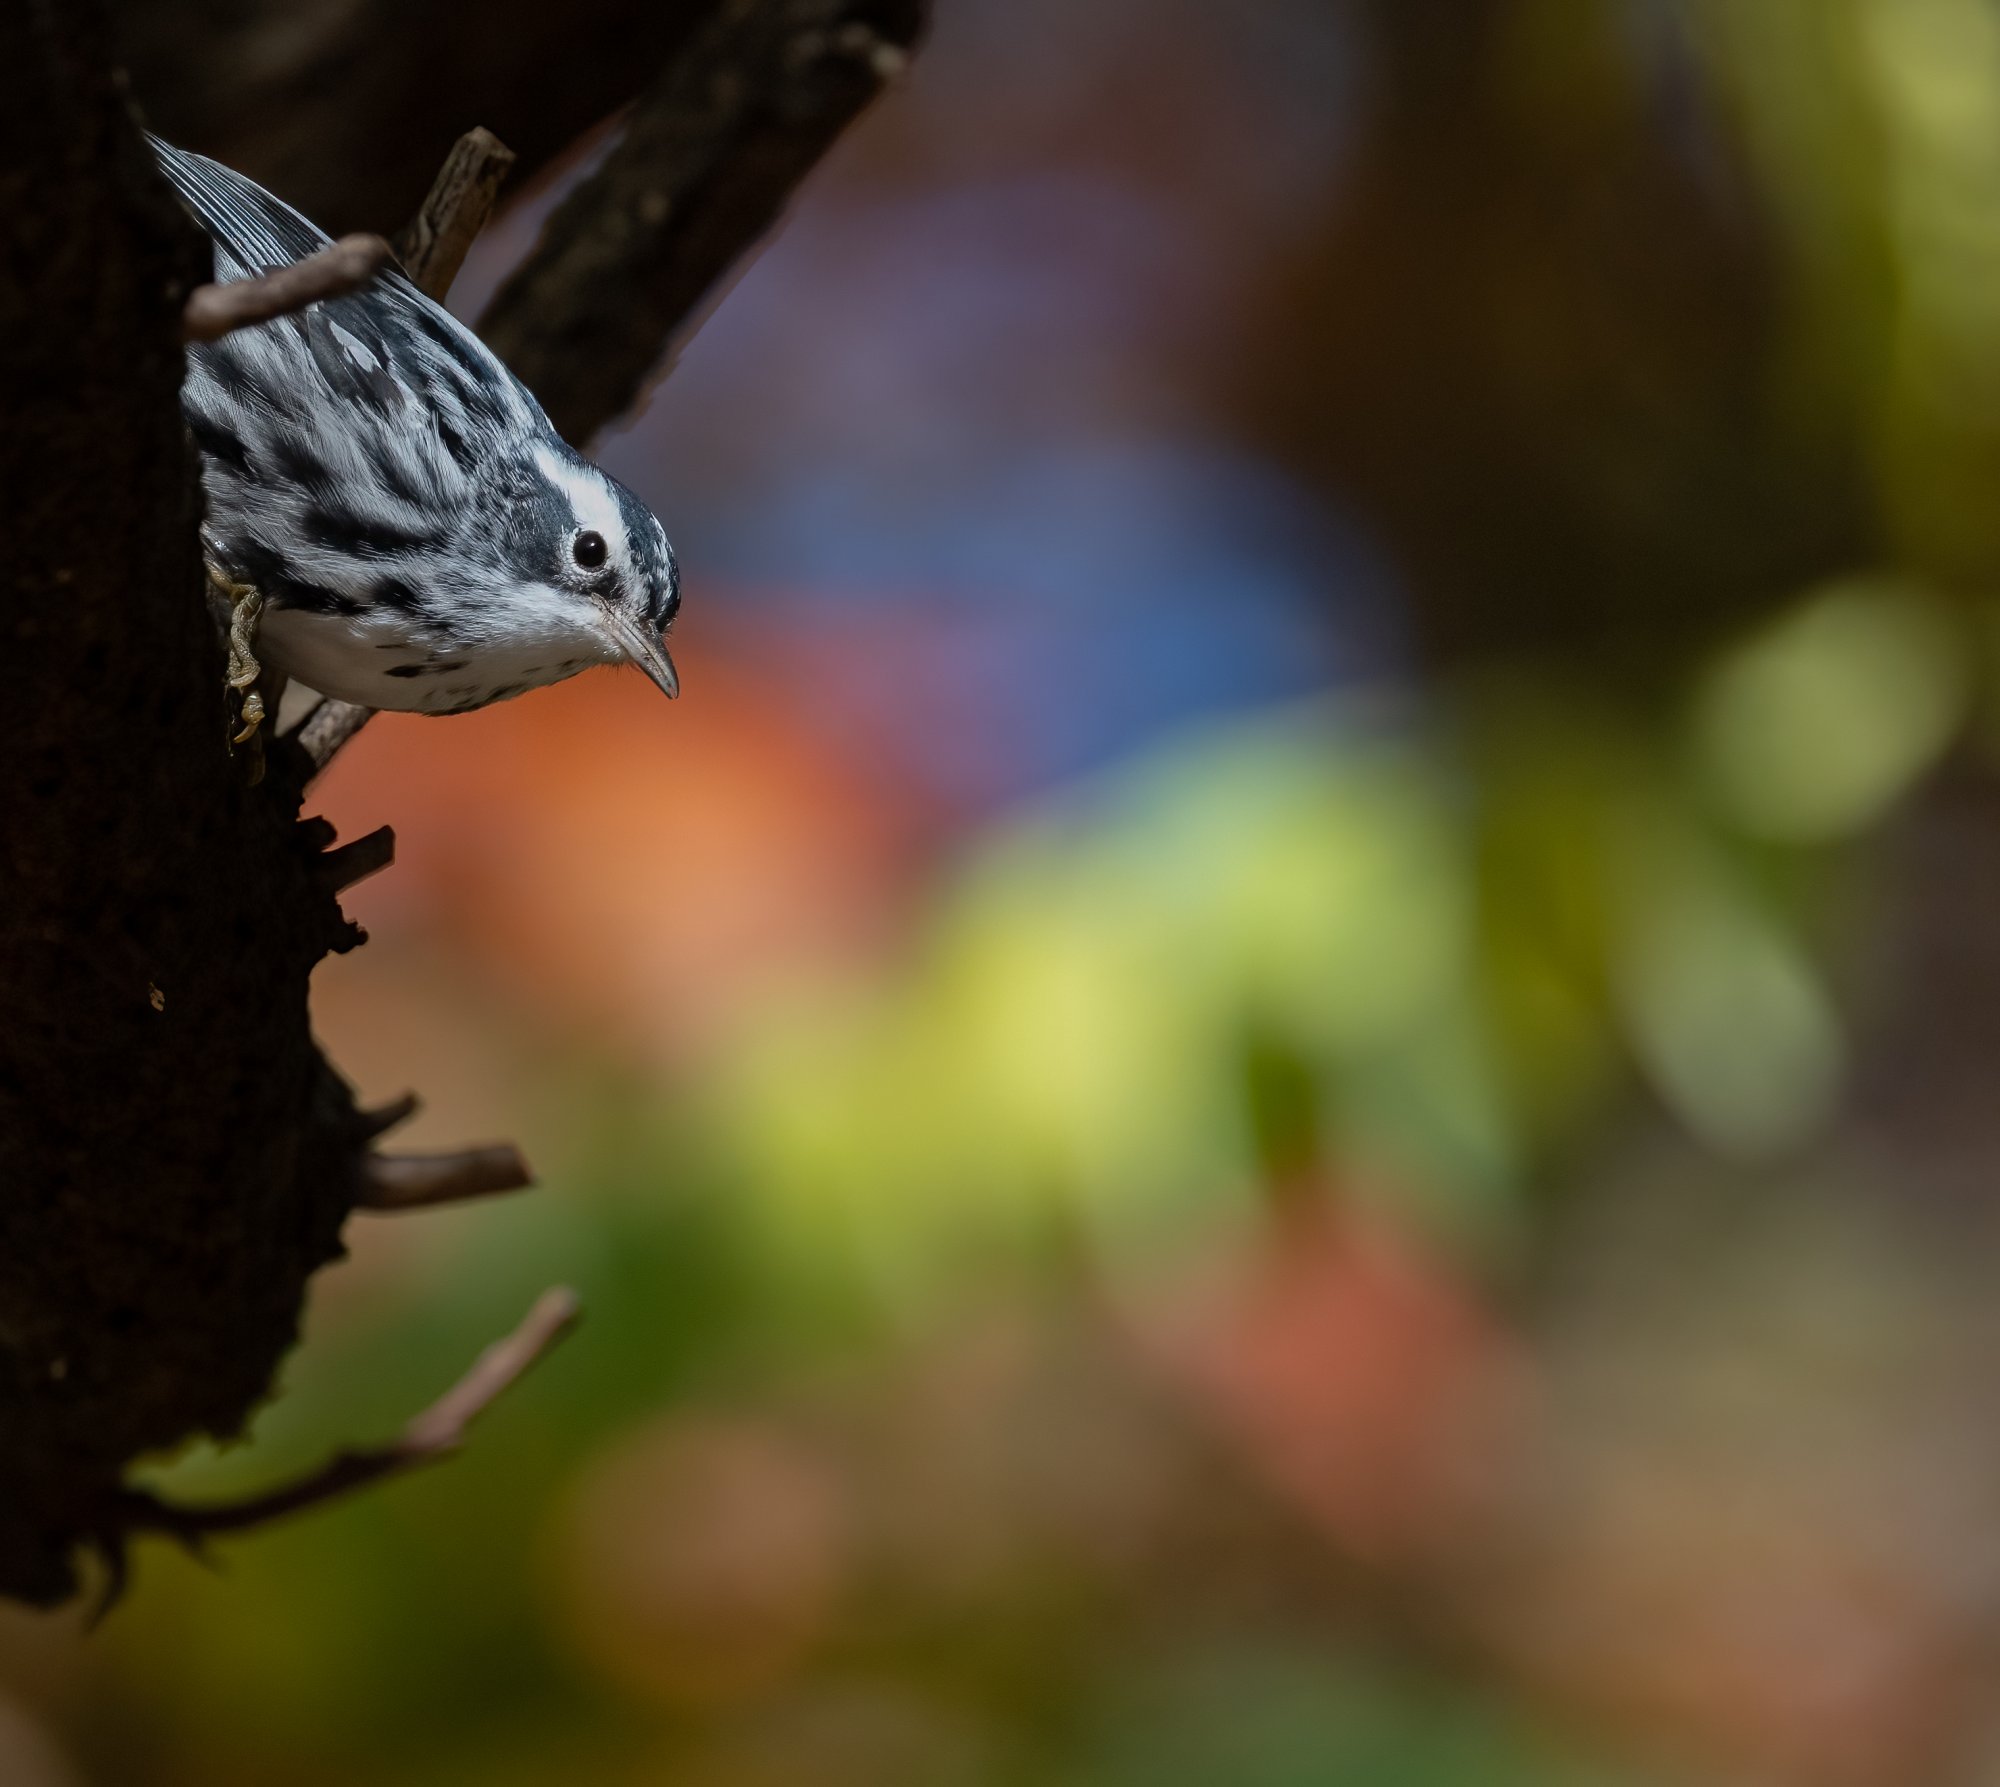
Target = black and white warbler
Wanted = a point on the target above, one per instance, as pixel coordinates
(421, 537)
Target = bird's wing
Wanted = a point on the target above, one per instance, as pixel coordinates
(380, 392)
(252, 231)
(390, 331)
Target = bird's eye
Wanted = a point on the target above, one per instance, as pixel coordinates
(589, 550)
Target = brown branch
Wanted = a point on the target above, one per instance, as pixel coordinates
(338, 870)
(434, 1434)
(378, 1122)
(711, 155)
(434, 244)
(420, 1181)
(325, 731)
(214, 311)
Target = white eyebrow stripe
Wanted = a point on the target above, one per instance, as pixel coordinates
(591, 501)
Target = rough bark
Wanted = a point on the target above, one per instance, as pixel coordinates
(175, 1156)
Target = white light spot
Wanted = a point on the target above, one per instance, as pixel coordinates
(357, 350)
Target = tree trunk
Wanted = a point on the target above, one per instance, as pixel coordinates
(175, 1156)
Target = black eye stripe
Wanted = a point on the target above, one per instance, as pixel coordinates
(589, 550)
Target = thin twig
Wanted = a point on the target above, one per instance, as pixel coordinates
(326, 729)
(338, 870)
(213, 311)
(383, 1118)
(709, 158)
(421, 1181)
(434, 1434)
(436, 241)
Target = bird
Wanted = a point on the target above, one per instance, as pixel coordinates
(406, 527)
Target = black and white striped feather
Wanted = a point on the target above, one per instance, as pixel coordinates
(407, 510)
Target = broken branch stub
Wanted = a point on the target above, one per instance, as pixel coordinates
(343, 267)
(421, 1181)
(433, 246)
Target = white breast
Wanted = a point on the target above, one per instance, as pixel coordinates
(373, 659)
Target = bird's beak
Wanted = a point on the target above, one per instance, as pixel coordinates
(644, 648)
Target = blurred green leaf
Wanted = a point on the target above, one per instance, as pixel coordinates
(1263, 1717)
(1810, 732)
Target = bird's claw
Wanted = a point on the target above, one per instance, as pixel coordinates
(246, 605)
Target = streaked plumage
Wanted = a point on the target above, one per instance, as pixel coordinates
(418, 530)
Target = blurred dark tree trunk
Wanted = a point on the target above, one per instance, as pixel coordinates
(348, 107)
(1543, 319)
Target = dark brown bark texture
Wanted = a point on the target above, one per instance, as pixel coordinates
(176, 1157)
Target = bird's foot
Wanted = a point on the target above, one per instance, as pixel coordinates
(246, 606)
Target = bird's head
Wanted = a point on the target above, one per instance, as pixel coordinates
(604, 555)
